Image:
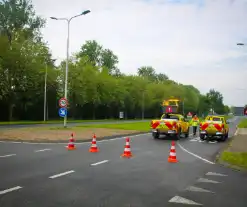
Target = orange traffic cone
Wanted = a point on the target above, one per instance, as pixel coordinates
(127, 151)
(94, 147)
(71, 145)
(172, 157)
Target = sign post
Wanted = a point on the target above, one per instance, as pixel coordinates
(63, 103)
(121, 115)
(189, 115)
(62, 112)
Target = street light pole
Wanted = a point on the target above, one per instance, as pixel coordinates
(45, 92)
(143, 105)
(67, 56)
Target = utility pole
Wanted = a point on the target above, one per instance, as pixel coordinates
(143, 105)
(45, 90)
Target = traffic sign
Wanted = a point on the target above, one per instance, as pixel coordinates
(189, 114)
(62, 112)
(63, 102)
(168, 109)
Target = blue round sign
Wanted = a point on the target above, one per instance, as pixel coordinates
(62, 112)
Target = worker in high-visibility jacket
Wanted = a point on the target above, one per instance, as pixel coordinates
(194, 123)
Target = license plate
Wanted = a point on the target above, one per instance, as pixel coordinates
(218, 132)
(203, 132)
(170, 132)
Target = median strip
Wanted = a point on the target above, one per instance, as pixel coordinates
(82, 133)
(62, 174)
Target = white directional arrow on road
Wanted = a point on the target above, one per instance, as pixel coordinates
(178, 199)
(216, 174)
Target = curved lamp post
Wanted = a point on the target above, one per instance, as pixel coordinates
(67, 58)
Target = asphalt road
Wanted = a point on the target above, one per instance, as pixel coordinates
(48, 175)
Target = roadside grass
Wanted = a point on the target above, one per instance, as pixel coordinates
(138, 126)
(243, 123)
(238, 159)
(61, 121)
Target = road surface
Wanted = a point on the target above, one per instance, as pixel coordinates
(48, 175)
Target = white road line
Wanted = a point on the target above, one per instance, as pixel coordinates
(196, 189)
(204, 180)
(98, 163)
(178, 199)
(193, 154)
(10, 190)
(216, 174)
(8, 155)
(62, 174)
(42, 150)
(77, 143)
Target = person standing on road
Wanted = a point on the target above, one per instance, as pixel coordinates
(194, 123)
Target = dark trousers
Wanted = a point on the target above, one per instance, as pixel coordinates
(194, 130)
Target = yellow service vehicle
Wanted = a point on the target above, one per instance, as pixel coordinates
(214, 127)
(171, 123)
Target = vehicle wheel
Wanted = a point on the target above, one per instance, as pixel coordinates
(224, 137)
(178, 136)
(156, 135)
(202, 136)
(187, 133)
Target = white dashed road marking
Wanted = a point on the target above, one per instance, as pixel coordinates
(62, 174)
(10, 190)
(42, 150)
(193, 154)
(216, 174)
(204, 180)
(178, 199)
(98, 163)
(8, 155)
(196, 189)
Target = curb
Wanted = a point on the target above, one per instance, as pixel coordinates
(66, 141)
(234, 167)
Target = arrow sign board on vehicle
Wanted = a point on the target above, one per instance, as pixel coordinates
(62, 112)
(189, 114)
(63, 102)
(168, 109)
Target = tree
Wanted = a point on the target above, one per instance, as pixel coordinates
(109, 60)
(92, 50)
(19, 15)
(161, 77)
(216, 101)
(147, 72)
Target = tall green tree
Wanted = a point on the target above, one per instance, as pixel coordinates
(216, 101)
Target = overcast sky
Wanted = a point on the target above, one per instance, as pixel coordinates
(192, 41)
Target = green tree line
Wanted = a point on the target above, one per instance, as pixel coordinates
(97, 89)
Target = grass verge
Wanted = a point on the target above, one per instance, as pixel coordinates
(138, 126)
(243, 123)
(238, 159)
(234, 155)
(61, 121)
